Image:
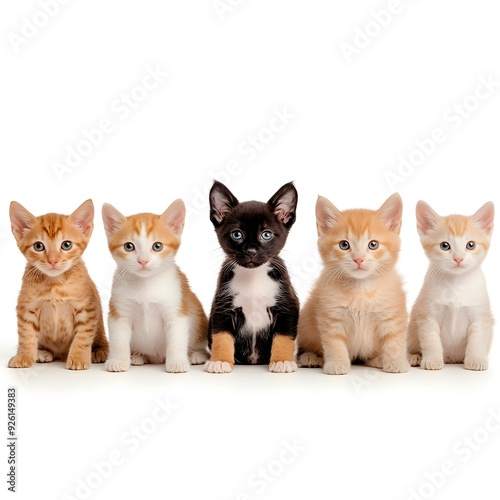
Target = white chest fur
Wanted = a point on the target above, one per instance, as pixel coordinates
(255, 292)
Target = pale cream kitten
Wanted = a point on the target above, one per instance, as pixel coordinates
(451, 321)
(357, 308)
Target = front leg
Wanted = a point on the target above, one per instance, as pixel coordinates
(80, 350)
(283, 354)
(27, 329)
(429, 335)
(334, 342)
(120, 334)
(222, 353)
(479, 339)
(177, 333)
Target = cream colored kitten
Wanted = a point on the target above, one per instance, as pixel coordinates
(357, 309)
(451, 321)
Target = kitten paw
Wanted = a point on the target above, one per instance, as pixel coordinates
(20, 362)
(396, 366)
(310, 360)
(137, 360)
(99, 355)
(479, 364)
(77, 364)
(432, 364)
(117, 365)
(44, 356)
(415, 359)
(177, 366)
(218, 367)
(336, 368)
(198, 357)
(282, 366)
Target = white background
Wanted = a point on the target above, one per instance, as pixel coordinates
(364, 435)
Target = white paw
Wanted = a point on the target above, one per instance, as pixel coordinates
(218, 367)
(117, 365)
(396, 366)
(336, 368)
(432, 363)
(137, 360)
(283, 366)
(415, 359)
(177, 365)
(44, 356)
(478, 364)
(310, 360)
(198, 357)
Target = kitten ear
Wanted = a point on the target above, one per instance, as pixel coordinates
(427, 219)
(112, 218)
(21, 220)
(284, 203)
(174, 216)
(484, 217)
(391, 213)
(83, 217)
(326, 214)
(222, 202)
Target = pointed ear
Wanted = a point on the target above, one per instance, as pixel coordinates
(21, 220)
(112, 218)
(222, 202)
(83, 217)
(391, 213)
(484, 217)
(326, 215)
(174, 216)
(427, 219)
(284, 203)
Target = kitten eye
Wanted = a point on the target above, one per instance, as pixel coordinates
(157, 247)
(66, 245)
(129, 247)
(445, 246)
(344, 245)
(471, 245)
(39, 246)
(266, 235)
(237, 235)
(373, 245)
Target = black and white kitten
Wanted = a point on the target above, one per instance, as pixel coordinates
(255, 309)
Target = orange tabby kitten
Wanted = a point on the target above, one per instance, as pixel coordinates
(59, 313)
(357, 308)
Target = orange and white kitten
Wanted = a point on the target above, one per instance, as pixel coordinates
(357, 308)
(154, 317)
(451, 321)
(59, 313)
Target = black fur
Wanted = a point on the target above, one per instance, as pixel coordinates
(252, 218)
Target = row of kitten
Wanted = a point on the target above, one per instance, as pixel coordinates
(355, 312)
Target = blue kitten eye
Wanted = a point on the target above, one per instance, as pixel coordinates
(445, 246)
(129, 247)
(344, 245)
(39, 246)
(266, 235)
(471, 245)
(373, 245)
(237, 235)
(157, 247)
(66, 245)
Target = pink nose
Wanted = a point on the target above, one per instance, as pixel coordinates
(53, 263)
(143, 263)
(457, 260)
(358, 261)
